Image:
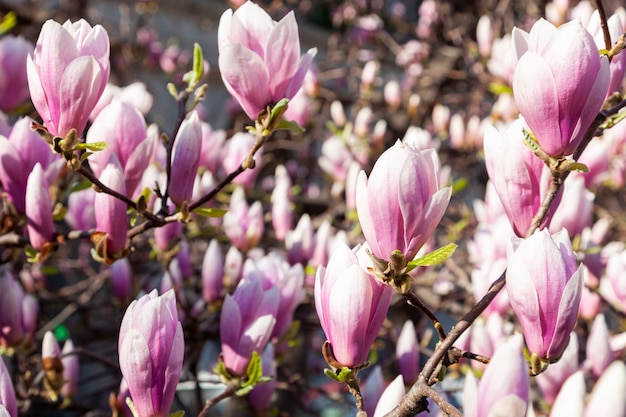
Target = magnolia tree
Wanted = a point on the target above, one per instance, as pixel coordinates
(240, 258)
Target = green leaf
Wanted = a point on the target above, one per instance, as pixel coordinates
(578, 166)
(31, 254)
(209, 212)
(180, 413)
(59, 214)
(171, 88)
(80, 186)
(498, 88)
(290, 125)
(8, 22)
(329, 373)
(95, 146)
(459, 185)
(279, 109)
(433, 258)
(254, 371)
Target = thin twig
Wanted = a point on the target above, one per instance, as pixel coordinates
(230, 390)
(603, 24)
(415, 301)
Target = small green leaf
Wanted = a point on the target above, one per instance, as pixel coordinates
(459, 185)
(333, 129)
(8, 22)
(95, 146)
(209, 212)
(433, 258)
(498, 88)
(180, 413)
(244, 390)
(31, 253)
(80, 186)
(254, 371)
(279, 108)
(59, 214)
(578, 166)
(171, 88)
(329, 373)
(290, 125)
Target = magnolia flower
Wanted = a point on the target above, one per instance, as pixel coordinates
(401, 203)
(124, 130)
(13, 81)
(151, 349)
(67, 73)
(544, 287)
(185, 159)
(351, 306)
(259, 58)
(503, 389)
(110, 211)
(246, 323)
(559, 84)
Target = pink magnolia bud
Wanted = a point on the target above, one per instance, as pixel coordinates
(607, 398)
(300, 242)
(504, 387)
(575, 210)
(613, 285)
(260, 397)
(70, 370)
(519, 177)
(369, 73)
(441, 117)
(457, 131)
(246, 323)
(243, 224)
(111, 212)
(121, 279)
(233, 154)
(185, 159)
(151, 349)
(544, 287)
(571, 399)
(7, 393)
(551, 380)
(299, 109)
(134, 94)
(407, 353)
(618, 62)
(80, 209)
(272, 270)
(560, 75)
(351, 306)
(212, 273)
(211, 149)
(259, 58)
(18, 313)
(13, 82)
(391, 396)
(372, 389)
(281, 203)
(599, 355)
(401, 203)
(484, 36)
(38, 209)
(233, 266)
(19, 152)
(67, 73)
(124, 130)
(337, 114)
(393, 94)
